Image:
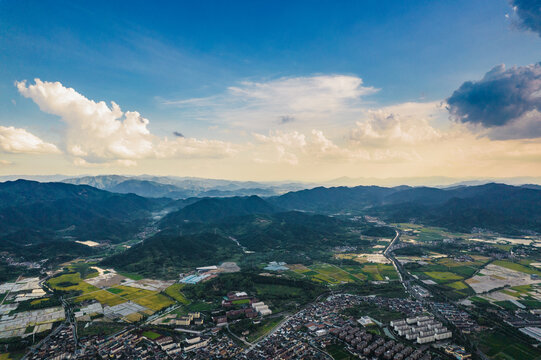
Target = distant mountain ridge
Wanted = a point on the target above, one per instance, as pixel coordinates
(184, 187)
(499, 207)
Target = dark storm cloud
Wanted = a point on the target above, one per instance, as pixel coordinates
(529, 14)
(286, 119)
(501, 96)
(178, 134)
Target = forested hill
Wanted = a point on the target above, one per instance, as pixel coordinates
(81, 211)
(212, 209)
(499, 207)
(168, 251)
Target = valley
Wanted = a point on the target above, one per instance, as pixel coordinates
(237, 276)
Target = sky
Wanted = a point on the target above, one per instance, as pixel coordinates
(260, 90)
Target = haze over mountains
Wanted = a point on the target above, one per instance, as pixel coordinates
(85, 212)
(185, 187)
(45, 219)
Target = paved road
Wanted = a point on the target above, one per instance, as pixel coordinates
(402, 275)
(34, 348)
(317, 299)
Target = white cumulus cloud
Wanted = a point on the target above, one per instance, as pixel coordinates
(16, 140)
(97, 132)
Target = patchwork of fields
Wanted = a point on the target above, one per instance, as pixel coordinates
(449, 274)
(334, 274)
(82, 291)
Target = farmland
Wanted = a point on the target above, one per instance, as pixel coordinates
(103, 296)
(517, 267)
(71, 282)
(174, 292)
(154, 302)
(500, 345)
(334, 274)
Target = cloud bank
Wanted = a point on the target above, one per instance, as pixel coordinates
(97, 133)
(529, 14)
(16, 140)
(507, 102)
(284, 133)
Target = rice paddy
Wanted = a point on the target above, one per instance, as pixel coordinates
(174, 291)
(154, 302)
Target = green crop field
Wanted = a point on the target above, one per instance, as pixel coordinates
(131, 293)
(263, 328)
(517, 267)
(131, 275)
(115, 291)
(442, 276)
(506, 305)
(240, 302)
(151, 335)
(531, 304)
(498, 345)
(327, 273)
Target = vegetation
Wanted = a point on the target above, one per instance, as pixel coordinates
(103, 296)
(84, 269)
(151, 335)
(503, 208)
(502, 344)
(71, 283)
(279, 293)
(213, 209)
(255, 330)
(377, 313)
(517, 267)
(166, 253)
(81, 211)
(43, 303)
(154, 302)
(339, 352)
(174, 292)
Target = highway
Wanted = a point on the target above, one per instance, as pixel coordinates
(403, 275)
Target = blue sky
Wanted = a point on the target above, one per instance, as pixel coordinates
(150, 58)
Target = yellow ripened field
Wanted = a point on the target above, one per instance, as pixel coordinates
(155, 302)
(458, 285)
(139, 293)
(133, 317)
(103, 296)
(174, 292)
(129, 292)
(37, 301)
(71, 282)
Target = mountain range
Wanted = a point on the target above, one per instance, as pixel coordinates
(66, 210)
(184, 187)
(33, 213)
